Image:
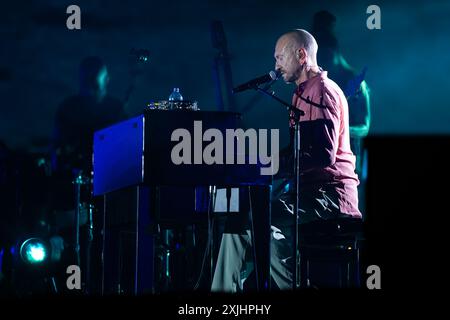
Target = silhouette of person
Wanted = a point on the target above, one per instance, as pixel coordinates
(80, 115)
(76, 120)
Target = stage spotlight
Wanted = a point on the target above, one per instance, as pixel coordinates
(34, 251)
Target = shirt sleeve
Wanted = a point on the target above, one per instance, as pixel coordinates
(320, 134)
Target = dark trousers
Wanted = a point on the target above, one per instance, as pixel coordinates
(315, 204)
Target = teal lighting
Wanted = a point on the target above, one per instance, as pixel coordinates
(34, 251)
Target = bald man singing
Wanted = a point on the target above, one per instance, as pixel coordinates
(328, 182)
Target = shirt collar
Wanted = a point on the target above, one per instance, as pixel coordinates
(302, 86)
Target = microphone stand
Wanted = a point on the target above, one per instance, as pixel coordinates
(297, 114)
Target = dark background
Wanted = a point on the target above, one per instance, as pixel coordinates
(407, 62)
(407, 59)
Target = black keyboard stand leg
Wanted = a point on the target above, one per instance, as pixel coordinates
(260, 219)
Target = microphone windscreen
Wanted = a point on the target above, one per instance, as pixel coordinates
(274, 74)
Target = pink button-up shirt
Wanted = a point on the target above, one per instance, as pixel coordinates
(326, 158)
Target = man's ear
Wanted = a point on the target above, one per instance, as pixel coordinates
(301, 55)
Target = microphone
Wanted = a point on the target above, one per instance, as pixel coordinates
(252, 84)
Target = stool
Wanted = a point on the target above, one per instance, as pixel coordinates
(336, 242)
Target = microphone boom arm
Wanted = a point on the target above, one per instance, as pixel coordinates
(289, 106)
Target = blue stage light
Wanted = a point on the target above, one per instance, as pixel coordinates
(34, 251)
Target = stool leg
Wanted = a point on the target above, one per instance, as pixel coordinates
(358, 268)
(348, 274)
(304, 272)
